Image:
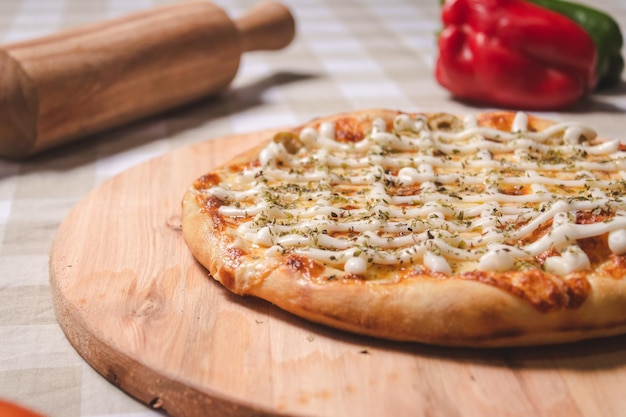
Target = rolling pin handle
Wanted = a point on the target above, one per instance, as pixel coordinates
(266, 27)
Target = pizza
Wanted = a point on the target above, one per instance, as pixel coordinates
(485, 230)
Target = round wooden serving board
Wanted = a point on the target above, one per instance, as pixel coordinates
(139, 309)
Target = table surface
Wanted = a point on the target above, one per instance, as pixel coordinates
(347, 55)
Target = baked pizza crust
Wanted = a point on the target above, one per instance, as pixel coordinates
(417, 307)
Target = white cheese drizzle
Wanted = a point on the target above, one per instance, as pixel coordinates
(417, 196)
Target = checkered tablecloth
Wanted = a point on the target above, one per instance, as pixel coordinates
(347, 55)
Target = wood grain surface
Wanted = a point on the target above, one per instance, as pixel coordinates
(143, 313)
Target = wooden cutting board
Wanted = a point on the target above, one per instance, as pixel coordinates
(143, 313)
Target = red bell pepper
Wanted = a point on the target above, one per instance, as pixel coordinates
(513, 53)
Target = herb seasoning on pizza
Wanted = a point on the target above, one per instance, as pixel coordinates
(499, 229)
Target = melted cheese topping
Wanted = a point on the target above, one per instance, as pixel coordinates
(450, 201)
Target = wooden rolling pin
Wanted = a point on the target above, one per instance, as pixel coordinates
(84, 80)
